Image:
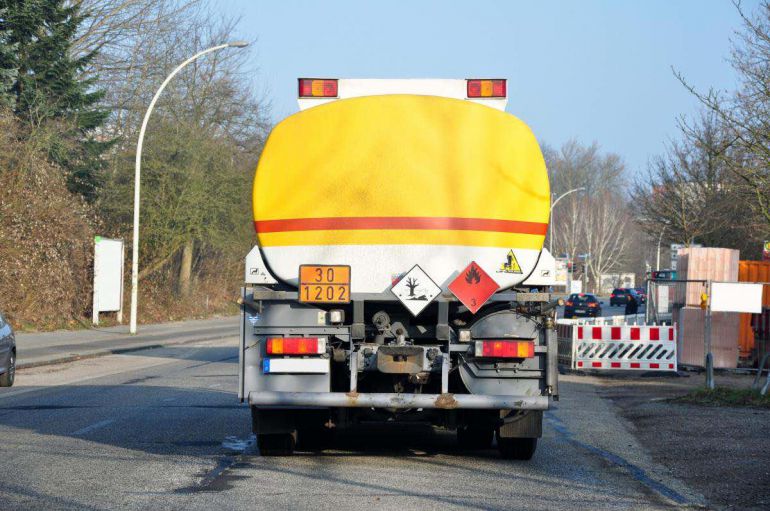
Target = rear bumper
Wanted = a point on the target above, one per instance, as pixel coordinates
(401, 401)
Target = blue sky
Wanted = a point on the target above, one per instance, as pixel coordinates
(599, 70)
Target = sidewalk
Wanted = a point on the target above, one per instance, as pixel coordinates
(35, 349)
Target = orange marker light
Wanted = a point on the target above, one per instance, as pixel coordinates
(486, 88)
(317, 88)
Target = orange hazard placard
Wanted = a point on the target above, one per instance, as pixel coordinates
(324, 284)
(473, 287)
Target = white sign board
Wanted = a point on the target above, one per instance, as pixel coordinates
(415, 290)
(108, 277)
(662, 303)
(736, 297)
(576, 286)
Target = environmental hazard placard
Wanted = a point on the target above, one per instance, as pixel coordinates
(473, 287)
(415, 290)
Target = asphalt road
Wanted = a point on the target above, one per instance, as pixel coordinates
(162, 429)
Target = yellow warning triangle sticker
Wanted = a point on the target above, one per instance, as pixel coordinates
(511, 265)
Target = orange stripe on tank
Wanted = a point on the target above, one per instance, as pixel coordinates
(406, 223)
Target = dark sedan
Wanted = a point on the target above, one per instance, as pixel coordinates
(582, 304)
(619, 296)
(7, 354)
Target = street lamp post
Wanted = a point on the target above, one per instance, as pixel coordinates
(550, 225)
(138, 171)
(657, 259)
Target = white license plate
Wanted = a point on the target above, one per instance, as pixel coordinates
(580, 310)
(295, 366)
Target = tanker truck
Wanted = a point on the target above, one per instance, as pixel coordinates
(399, 273)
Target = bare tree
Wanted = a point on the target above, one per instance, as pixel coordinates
(578, 166)
(605, 234)
(745, 113)
(412, 285)
(690, 193)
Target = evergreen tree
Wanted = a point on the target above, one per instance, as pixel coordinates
(8, 64)
(49, 85)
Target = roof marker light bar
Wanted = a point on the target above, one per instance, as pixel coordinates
(486, 88)
(317, 88)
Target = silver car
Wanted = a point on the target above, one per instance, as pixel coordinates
(7, 353)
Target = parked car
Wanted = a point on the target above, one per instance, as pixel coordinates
(7, 353)
(582, 304)
(642, 294)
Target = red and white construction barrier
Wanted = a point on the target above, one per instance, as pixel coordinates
(645, 348)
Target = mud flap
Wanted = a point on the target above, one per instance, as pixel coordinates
(523, 424)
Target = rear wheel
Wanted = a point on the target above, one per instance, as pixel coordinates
(516, 448)
(276, 444)
(8, 377)
(314, 438)
(475, 436)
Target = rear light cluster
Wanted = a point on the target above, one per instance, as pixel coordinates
(317, 88)
(593, 304)
(486, 88)
(569, 303)
(296, 345)
(505, 349)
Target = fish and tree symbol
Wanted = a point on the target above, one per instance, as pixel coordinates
(416, 290)
(412, 284)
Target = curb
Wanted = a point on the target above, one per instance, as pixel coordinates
(115, 351)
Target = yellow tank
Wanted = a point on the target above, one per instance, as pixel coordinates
(382, 183)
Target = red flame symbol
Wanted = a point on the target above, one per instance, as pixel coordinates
(473, 276)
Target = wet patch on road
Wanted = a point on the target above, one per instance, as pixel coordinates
(219, 478)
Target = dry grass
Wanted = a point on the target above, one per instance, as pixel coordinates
(46, 237)
(723, 396)
(46, 251)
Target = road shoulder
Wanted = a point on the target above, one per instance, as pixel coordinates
(720, 451)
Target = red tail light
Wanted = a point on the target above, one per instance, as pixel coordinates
(568, 303)
(612, 295)
(505, 349)
(486, 88)
(317, 88)
(593, 305)
(296, 345)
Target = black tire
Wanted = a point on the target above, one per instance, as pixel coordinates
(9, 376)
(516, 448)
(314, 439)
(475, 437)
(276, 444)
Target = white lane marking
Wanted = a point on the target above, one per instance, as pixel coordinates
(94, 426)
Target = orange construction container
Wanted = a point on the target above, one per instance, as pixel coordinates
(752, 271)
